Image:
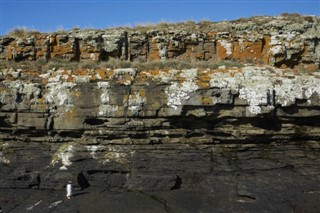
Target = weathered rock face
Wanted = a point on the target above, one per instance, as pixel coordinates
(238, 134)
(284, 41)
(230, 138)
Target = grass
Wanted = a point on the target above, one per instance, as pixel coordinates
(172, 64)
(24, 65)
(293, 18)
(188, 25)
(175, 64)
(223, 26)
(43, 65)
(23, 32)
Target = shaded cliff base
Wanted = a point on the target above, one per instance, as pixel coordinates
(243, 177)
(283, 192)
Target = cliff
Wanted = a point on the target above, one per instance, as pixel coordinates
(283, 41)
(230, 138)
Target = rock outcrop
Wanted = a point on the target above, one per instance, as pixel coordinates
(246, 137)
(283, 41)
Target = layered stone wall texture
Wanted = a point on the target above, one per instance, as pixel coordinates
(245, 137)
(282, 41)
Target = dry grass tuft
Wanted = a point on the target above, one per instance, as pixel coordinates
(22, 32)
(57, 63)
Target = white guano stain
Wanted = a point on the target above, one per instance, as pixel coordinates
(63, 155)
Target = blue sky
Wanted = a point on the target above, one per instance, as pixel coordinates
(51, 15)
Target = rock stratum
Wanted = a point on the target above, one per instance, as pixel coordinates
(237, 139)
(283, 41)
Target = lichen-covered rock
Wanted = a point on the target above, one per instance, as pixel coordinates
(238, 135)
(282, 41)
(113, 122)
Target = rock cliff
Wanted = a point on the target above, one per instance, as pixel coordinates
(246, 137)
(283, 41)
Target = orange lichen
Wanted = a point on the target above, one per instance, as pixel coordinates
(93, 78)
(60, 50)
(211, 34)
(102, 73)
(64, 72)
(40, 100)
(199, 55)
(310, 66)
(190, 52)
(76, 93)
(41, 104)
(109, 74)
(155, 72)
(80, 72)
(203, 84)
(125, 98)
(40, 53)
(70, 79)
(44, 81)
(70, 113)
(154, 53)
(206, 101)
(203, 79)
(31, 73)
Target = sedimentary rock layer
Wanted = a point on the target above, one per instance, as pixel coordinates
(148, 130)
(244, 137)
(284, 41)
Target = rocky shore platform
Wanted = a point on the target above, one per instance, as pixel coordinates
(285, 197)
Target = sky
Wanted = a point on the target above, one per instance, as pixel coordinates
(52, 15)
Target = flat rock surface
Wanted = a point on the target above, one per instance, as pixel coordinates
(267, 198)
